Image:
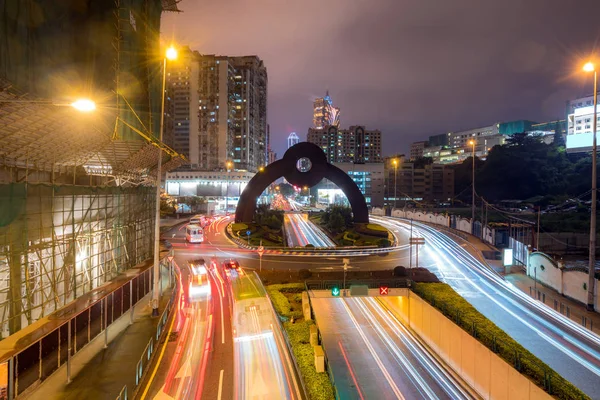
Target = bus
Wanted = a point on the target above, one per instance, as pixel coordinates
(194, 233)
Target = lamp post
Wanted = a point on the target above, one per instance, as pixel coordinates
(472, 143)
(589, 67)
(395, 181)
(229, 165)
(170, 54)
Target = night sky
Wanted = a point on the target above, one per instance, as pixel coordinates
(411, 68)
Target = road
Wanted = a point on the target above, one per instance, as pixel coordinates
(300, 232)
(205, 360)
(571, 350)
(373, 356)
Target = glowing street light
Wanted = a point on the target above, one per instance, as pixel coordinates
(84, 105)
(472, 144)
(261, 169)
(589, 67)
(395, 181)
(171, 53)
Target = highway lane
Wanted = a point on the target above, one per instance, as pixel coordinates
(569, 349)
(373, 356)
(263, 367)
(201, 363)
(300, 232)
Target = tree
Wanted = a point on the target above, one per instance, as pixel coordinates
(286, 189)
(336, 222)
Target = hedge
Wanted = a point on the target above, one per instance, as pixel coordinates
(236, 227)
(280, 302)
(317, 384)
(451, 304)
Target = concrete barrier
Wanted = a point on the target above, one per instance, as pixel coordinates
(488, 374)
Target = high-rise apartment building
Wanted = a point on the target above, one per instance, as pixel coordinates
(292, 139)
(355, 144)
(416, 149)
(409, 181)
(324, 113)
(216, 110)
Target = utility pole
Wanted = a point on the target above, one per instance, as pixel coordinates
(589, 67)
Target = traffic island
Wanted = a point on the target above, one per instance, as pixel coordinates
(287, 300)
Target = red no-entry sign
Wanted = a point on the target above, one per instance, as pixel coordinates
(383, 290)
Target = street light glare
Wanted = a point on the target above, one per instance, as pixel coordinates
(171, 53)
(589, 67)
(84, 105)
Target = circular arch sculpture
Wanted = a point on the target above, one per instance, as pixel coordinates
(303, 164)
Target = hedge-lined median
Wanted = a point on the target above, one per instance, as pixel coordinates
(445, 299)
(318, 385)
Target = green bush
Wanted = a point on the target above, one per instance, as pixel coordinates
(376, 227)
(451, 304)
(384, 242)
(280, 302)
(304, 274)
(317, 384)
(288, 287)
(365, 229)
(236, 227)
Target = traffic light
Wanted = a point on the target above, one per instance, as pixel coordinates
(335, 291)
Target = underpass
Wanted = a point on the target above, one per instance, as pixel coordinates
(372, 355)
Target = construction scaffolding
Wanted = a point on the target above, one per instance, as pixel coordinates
(59, 242)
(76, 198)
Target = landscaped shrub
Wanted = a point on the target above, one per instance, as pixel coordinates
(372, 230)
(304, 274)
(280, 302)
(451, 304)
(239, 226)
(400, 271)
(317, 384)
(384, 242)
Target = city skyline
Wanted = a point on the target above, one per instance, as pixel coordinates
(531, 49)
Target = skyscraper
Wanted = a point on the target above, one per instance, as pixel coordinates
(216, 110)
(292, 139)
(355, 144)
(324, 113)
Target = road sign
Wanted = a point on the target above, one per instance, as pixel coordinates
(248, 232)
(260, 250)
(170, 258)
(383, 290)
(417, 240)
(335, 291)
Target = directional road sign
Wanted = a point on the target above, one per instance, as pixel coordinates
(335, 291)
(248, 232)
(383, 290)
(417, 240)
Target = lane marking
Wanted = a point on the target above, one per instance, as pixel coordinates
(220, 392)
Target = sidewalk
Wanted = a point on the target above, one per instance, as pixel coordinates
(570, 308)
(101, 373)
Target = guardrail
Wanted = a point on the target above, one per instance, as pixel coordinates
(68, 331)
(326, 284)
(122, 394)
(316, 251)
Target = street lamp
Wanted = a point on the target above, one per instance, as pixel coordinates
(589, 67)
(83, 104)
(395, 181)
(229, 164)
(472, 143)
(170, 54)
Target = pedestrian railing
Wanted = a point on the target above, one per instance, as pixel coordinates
(147, 357)
(122, 394)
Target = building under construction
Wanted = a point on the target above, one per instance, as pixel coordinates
(76, 195)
